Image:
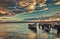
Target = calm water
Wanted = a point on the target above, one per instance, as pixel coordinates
(21, 31)
(16, 31)
(15, 27)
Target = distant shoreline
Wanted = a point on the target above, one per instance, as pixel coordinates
(20, 22)
(47, 22)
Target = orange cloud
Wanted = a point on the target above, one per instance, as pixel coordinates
(31, 7)
(22, 3)
(3, 11)
(57, 3)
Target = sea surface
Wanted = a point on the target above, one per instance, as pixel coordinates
(21, 31)
(16, 31)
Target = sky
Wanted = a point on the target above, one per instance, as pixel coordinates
(26, 9)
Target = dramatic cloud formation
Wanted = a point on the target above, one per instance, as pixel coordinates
(31, 3)
(3, 4)
(23, 6)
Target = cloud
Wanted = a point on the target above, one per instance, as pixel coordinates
(32, 2)
(57, 3)
(6, 2)
(23, 3)
(42, 3)
(44, 9)
(29, 4)
(4, 12)
(31, 7)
